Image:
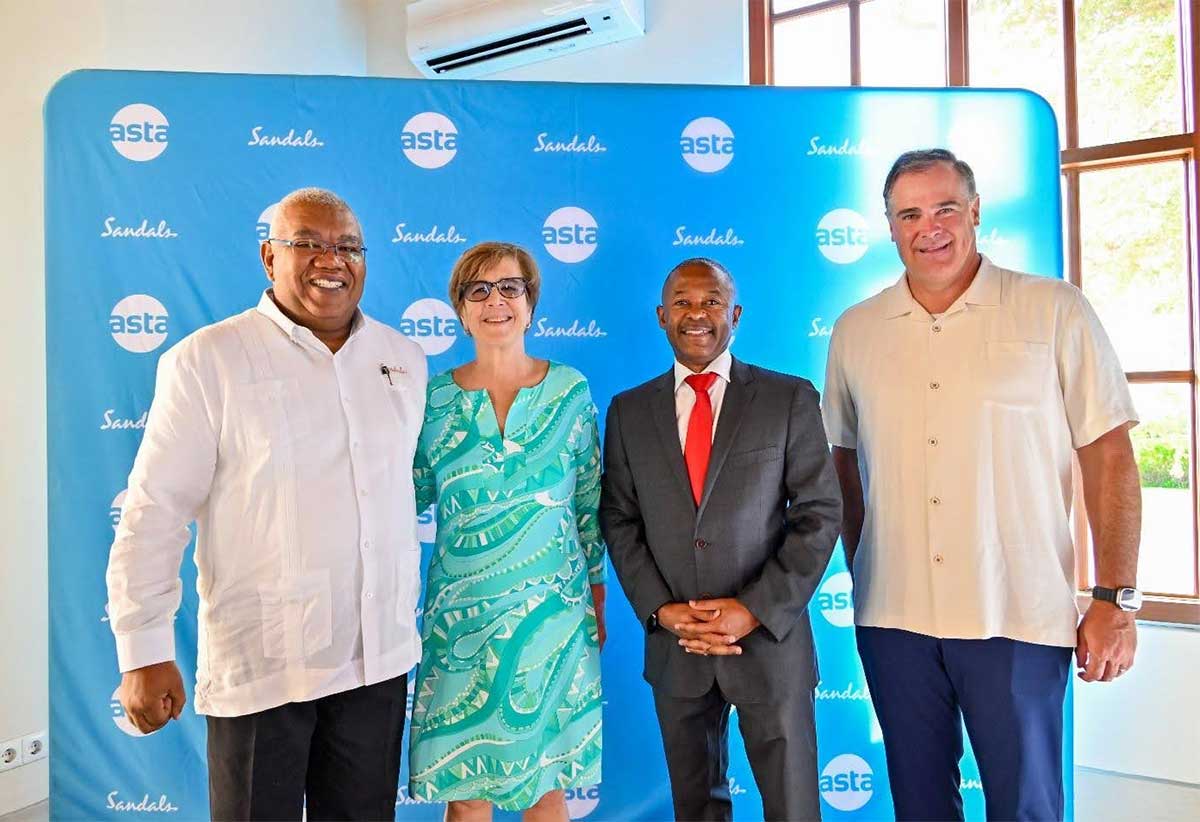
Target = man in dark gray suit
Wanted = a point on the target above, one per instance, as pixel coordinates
(720, 507)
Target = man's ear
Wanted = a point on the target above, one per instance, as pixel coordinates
(267, 254)
(737, 316)
(662, 316)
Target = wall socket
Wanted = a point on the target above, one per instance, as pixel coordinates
(10, 754)
(34, 747)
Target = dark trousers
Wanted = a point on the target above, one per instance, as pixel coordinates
(1008, 693)
(341, 752)
(781, 745)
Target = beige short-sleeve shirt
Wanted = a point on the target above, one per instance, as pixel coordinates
(964, 426)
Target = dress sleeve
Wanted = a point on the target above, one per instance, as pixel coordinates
(424, 478)
(585, 452)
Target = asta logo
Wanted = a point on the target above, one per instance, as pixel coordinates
(429, 140)
(263, 227)
(427, 530)
(160, 805)
(291, 139)
(570, 234)
(114, 510)
(433, 235)
(162, 231)
(138, 323)
(573, 146)
(545, 329)
(843, 149)
(431, 324)
(115, 423)
(121, 720)
(836, 600)
(582, 801)
(706, 144)
(842, 236)
(729, 238)
(139, 132)
(847, 783)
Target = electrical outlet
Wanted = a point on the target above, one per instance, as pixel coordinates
(33, 748)
(10, 754)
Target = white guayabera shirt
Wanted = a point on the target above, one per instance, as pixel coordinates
(965, 425)
(296, 465)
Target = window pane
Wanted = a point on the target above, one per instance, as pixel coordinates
(1135, 262)
(1162, 444)
(814, 49)
(1018, 44)
(903, 43)
(780, 6)
(1127, 57)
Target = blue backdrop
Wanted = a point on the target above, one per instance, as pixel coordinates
(160, 186)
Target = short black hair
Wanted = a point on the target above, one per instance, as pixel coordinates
(707, 262)
(922, 159)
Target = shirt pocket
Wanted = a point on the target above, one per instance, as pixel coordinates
(297, 616)
(1014, 373)
(263, 416)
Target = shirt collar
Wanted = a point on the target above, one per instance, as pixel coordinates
(985, 289)
(720, 366)
(269, 309)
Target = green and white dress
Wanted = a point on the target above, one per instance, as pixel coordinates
(508, 700)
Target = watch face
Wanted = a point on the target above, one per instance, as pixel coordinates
(1129, 599)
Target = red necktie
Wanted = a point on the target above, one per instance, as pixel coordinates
(698, 444)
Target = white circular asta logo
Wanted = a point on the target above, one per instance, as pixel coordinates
(847, 783)
(842, 236)
(263, 227)
(138, 323)
(707, 144)
(570, 234)
(431, 324)
(582, 801)
(427, 525)
(429, 140)
(836, 600)
(114, 510)
(139, 132)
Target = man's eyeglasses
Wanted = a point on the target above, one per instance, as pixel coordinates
(349, 252)
(510, 288)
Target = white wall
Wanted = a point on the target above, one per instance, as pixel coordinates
(689, 41)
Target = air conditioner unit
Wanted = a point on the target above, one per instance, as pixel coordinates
(469, 38)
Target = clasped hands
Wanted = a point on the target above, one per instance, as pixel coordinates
(709, 627)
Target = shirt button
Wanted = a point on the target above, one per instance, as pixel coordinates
(933, 440)
(935, 500)
(935, 385)
(362, 492)
(366, 545)
(370, 595)
(936, 329)
(938, 558)
(356, 445)
(701, 544)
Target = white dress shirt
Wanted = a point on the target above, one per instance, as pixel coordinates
(685, 395)
(965, 427)
(296, 464)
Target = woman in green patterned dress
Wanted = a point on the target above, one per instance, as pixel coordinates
(507, 707)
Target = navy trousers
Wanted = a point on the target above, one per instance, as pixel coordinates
(1009, 695)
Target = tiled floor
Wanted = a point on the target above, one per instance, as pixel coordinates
(1099, 797)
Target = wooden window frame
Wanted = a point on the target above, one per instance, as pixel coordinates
(1074, 161)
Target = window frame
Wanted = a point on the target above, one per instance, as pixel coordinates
(1075, 160)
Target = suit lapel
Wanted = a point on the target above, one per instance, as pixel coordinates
(738, 396)
(663, 411)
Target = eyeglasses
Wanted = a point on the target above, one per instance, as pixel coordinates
(307, 248)
(479, 290)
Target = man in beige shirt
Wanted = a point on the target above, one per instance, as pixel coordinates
(955, 400)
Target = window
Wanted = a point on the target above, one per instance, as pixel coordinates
(1121, 77)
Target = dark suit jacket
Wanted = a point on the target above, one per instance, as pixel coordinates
(763, 532)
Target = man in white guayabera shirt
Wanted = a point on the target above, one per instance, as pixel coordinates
(287, 434)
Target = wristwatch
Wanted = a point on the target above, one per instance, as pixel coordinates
(652, 622)
(1127, 599)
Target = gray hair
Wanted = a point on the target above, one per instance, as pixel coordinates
(310, 196)
(921, 160)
